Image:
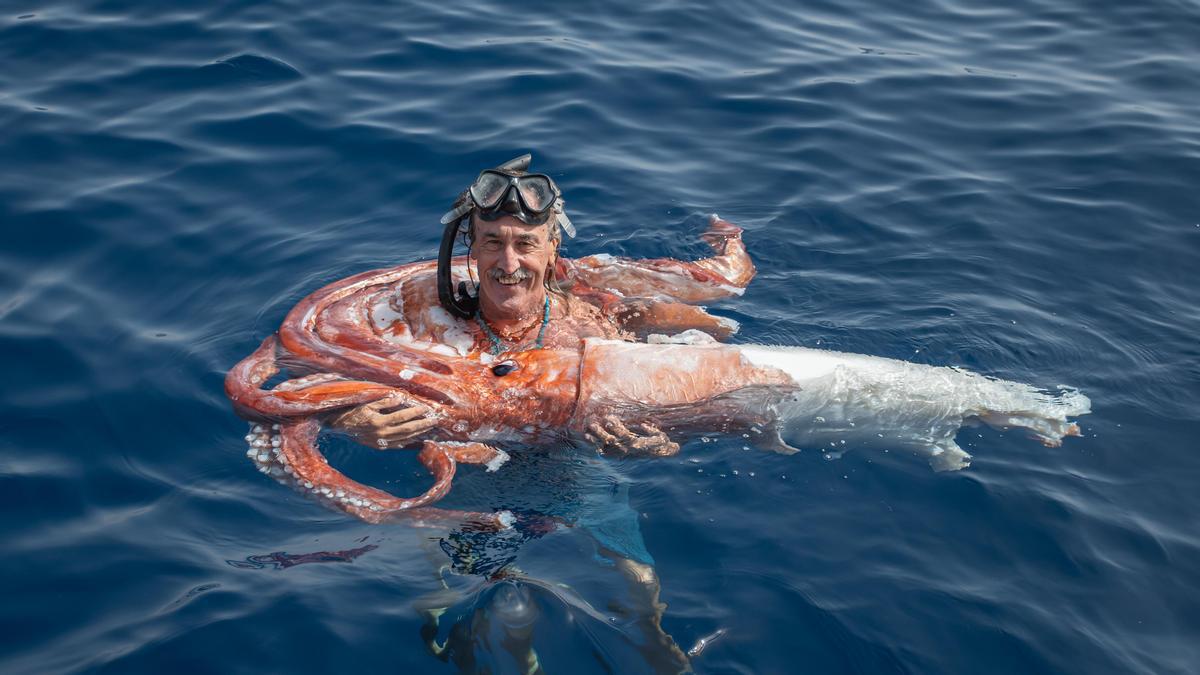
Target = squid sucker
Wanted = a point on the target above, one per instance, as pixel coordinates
(354, 342)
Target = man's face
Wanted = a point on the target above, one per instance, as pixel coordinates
(513, 260)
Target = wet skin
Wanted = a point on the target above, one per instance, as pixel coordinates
(513, 260)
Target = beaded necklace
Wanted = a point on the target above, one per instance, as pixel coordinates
(497, 345)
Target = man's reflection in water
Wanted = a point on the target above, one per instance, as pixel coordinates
(497, 613)
(508, 601)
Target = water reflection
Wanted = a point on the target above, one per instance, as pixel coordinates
(570, 585)
(511, 621)
(571, 578)
(282, 560)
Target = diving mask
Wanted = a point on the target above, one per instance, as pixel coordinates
(532, 198)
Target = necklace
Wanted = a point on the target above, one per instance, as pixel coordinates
(497, 346)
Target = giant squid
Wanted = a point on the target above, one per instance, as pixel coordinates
(382, 334)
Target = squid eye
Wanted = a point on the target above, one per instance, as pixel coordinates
(503, 368)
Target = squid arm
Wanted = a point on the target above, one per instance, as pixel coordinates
(725, 274)
(301, 397)
(288, 452)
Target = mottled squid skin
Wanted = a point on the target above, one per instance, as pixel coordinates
(350, 364)
(799, 397)
(350, 343)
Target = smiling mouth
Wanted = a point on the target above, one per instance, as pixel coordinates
(510, 279)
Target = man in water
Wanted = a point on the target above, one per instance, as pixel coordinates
(529, 298)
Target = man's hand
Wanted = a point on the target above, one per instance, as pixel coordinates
(391, 422)
(613, 437)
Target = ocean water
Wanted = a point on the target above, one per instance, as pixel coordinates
(1008, 187)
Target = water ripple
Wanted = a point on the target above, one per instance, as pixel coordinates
(1005, 188)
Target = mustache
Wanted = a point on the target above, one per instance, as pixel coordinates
(496, 274)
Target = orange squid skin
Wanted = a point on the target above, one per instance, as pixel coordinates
(345, 352)
(345, 362)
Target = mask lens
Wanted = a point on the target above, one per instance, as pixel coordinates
(489, 189)
(536, 192)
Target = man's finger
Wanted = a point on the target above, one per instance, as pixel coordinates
(668, 449)
(655, 441)
(620, 430)
(600, 433)
(639, 443)
(385, 402)
(391, 401)
(350, 418)
(412, 427)
(651, 431)
(404, 414)
(394, 406)
(407, 429)
(651, 443)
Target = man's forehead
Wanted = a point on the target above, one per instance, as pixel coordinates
(510, 227)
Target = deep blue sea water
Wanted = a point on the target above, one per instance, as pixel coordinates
(1010, 187)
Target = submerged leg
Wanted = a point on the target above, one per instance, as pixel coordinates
(646, 610)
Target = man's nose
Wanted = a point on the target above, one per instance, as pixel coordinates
(509, 261)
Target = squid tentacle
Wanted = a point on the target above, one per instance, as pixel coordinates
(301, 397)
(288, 452)
(283, 443)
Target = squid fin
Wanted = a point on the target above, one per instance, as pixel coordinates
(771, 440)
(947, 456)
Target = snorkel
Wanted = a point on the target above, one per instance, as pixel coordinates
(507, 190)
